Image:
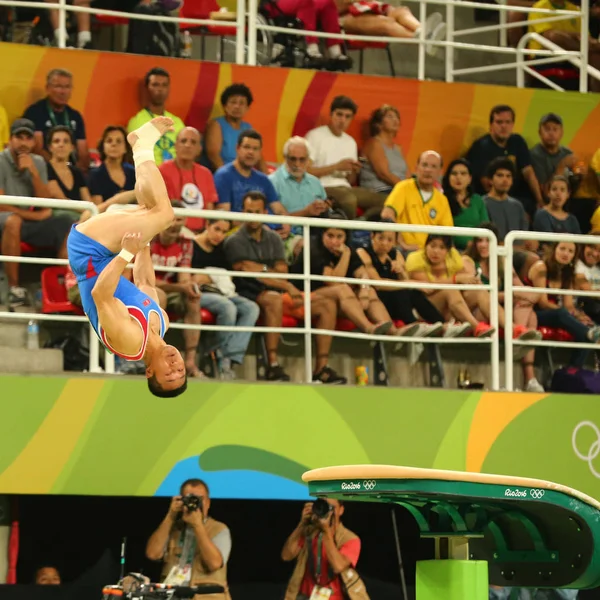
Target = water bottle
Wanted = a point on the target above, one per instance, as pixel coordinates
(33, 341)
(186, 45)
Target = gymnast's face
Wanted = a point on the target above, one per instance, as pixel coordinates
(168, 367)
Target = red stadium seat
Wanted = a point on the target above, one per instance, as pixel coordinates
(345, 325)
(360, 47)
(551, 334)
(54, 292)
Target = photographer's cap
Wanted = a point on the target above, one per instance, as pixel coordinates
(22, 126)
(551, 118)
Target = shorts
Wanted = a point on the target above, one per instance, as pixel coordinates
(50, 233)
(86, 256)
(176, 304)
(368, 7)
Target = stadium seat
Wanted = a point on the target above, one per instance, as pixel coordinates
(54, 292)
(551, 334)
(360, 47)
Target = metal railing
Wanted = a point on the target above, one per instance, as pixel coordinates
(247, 35)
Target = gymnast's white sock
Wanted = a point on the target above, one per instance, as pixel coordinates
(143, 149)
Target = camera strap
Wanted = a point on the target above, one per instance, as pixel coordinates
(316, 568)
(187, 543)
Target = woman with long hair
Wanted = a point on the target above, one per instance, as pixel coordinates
(468, 209)
(587, 277)
(384, 164)
(557, 271)
(477, 261)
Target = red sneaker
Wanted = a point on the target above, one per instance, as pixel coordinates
(520, 332)
(483, 330)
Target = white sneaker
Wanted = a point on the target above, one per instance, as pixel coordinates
(457, 330)
(430, 329)
(533, 385)
(435, 34)
(408, 330)
(225, 371)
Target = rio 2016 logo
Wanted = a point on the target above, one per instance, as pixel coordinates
(593, 451)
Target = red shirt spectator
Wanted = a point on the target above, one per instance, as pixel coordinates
(188, 181)
(174, 254)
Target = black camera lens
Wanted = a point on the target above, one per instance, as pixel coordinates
(192, 502)
(321, 508)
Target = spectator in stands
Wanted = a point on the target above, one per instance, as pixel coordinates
(4, 128)
(505, 212)
(313, 13)
(384, 164)
(565, 33)
(468, 209)
(553, 218)
(300, 193)
(65, 180)
(587, 277)
(477, 263)
(220, 298)
(23, 173)
(54, 110)
(557, 271)
(47, 575)
(501, 142)
(116, 174)
(188, 181)
(157, 84)
(234, 180)
(84, 31)
(335, 547)
(222, 134)
(180, 296)
(193, 546)
(417, 201)
(334, 160)
(370, 17)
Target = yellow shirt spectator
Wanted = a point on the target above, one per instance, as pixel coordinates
(4, 129)
(412, 208)
(165, 147)
(417, 262)
(569, 25)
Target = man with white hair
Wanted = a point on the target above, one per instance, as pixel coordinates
(301, 193)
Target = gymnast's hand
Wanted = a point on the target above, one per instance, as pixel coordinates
(132, 242)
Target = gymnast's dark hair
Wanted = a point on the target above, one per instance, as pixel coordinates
(157, 390)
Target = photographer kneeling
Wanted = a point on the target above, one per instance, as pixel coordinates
(324, 550)
(193, 546)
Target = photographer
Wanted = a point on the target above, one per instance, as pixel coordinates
(331, 550)
(193, 546)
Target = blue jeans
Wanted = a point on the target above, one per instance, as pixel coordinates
(560, 317)
(231, 311)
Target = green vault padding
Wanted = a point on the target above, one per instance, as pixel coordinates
(515, 531)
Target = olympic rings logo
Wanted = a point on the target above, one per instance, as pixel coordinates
(536, 494)
(593, 451)
(369, 485)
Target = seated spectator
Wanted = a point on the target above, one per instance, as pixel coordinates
(587, 277)
(179, 295)
(236, 179)
(300, 193)
(186, 180)
(65, 180)
(222, 134)
(334, 160)
(557, 271)
(23, 173)
(501, 142)
(220, 298)
(505, 212)
(54, 110)
(157, 85)
(4, 128)
(47, 575)
(514, 34)
(370, 17)
(417, 201)
(313, 13)
(468, 209)
(84, 30)
(565, 33)
(257, 249)
(553, 218)
(384, 166)
(440, 262)
(116, 174)
(477, 262)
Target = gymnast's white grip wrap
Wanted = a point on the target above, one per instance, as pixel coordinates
(143, 149)
(126, 255)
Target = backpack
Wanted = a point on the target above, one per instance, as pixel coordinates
(153, 37)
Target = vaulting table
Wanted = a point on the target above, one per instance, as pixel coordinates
(525, 532)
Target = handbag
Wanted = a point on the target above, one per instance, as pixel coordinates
(353, 584)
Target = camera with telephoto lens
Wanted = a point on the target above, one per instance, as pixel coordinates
(192, 502)
(321, 508)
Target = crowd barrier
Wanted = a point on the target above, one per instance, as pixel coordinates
(248, 27)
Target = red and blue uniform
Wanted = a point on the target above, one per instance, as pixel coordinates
(88, 259)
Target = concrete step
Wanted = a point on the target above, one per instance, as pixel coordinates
(21, 360)
(13, 334)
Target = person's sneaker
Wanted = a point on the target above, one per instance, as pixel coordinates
(430, 329)
(18, 296)
(437, 34)
(520, 332)
(226, 373)
(594, 334)
(340, 63)
(276, 373)
(408, 330)
(533, 385)
(328, 376)
(381, 328)
(457, 330)
(316, 62)
(483, 330)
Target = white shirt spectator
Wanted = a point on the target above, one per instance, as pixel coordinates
(328, 149)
